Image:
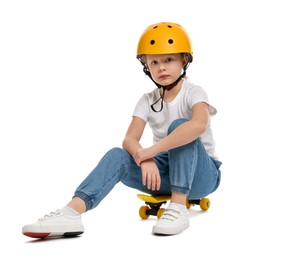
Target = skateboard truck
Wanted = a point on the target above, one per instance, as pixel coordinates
(154, 203)
(152, 209)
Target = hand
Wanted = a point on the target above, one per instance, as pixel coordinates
(144, 154)
(150, 174)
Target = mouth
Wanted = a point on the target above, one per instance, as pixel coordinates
(163, 77)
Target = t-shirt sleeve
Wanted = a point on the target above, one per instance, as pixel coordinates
(142, 108)
(198, 94)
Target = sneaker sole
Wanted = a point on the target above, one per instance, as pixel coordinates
(156, 230)
(46, 235)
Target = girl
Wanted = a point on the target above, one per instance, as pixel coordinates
(182, 161)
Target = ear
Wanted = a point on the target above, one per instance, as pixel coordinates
(185, 60)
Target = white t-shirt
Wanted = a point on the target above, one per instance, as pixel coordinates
(181, 107)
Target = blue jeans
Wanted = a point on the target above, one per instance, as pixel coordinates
(187, 169)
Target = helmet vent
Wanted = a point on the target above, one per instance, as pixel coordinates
(152, 42)
(170, 41)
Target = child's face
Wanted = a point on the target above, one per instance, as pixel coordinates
(165, 68)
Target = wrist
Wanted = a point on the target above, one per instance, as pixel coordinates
(156, 149)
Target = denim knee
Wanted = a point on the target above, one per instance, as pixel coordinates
(174, 124)
(117, 152)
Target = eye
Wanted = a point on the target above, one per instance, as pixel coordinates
(169, 59)
(154, 62)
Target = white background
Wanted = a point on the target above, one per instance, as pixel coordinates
(69, 81)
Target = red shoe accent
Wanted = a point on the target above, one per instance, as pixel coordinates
(36, 235)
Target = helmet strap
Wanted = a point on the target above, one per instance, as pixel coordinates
(167, 87)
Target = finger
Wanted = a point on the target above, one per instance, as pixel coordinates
(158, 182)
(154, 182)
(144, 178)
(149, 181)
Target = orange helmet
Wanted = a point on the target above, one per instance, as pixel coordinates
(164, 38)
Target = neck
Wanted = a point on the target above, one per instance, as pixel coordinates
(172, 93)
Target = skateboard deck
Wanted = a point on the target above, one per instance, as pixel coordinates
(154, 203)
(153, 198)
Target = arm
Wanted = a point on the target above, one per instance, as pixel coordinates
(133, 135)
(150, 172)
(183, 134)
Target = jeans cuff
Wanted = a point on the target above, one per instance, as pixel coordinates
(85, 198)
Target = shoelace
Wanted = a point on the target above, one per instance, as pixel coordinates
(170, 214)
(52, 214)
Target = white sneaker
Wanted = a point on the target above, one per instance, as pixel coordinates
(173, 221)
(55, 224)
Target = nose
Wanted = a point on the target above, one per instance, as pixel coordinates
(161, 67)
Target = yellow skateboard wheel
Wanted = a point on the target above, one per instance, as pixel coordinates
(143, 212)
(160, 212)
(205, 203)
(188, 204)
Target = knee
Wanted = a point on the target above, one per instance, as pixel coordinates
(118, 152)
(175, 124)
